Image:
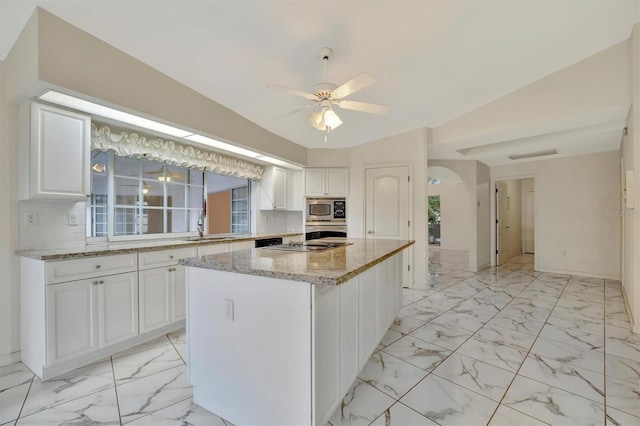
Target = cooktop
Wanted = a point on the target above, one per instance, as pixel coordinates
(308, 246)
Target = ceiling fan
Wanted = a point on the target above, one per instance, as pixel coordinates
(328, 94)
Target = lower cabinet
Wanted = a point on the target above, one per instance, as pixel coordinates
(162, 296)
(86, 315)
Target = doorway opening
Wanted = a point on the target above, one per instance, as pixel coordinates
(434, 220)
(514, 220)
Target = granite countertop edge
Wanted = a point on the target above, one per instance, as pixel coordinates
(196, 262)
(139, 246)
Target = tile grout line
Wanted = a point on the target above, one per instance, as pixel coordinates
(25, 399)
(452, 351)
(115, 389)
(529, 351)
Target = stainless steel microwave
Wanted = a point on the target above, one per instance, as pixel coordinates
(326, 210)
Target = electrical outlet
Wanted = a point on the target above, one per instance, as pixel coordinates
(228, 309)
(30, 218)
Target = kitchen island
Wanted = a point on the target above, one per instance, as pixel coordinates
(278, 337)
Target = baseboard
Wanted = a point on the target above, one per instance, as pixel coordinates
(579, 273)
(9, 359)
(635, 327)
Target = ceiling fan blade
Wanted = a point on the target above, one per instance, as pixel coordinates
(358, 82)
(364, 107)
(295, 111)
(295, 92)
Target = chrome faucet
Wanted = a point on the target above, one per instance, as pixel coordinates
(201, 224)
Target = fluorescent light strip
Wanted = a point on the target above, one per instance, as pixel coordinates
(114, 114)
(222, 145)
(103, 111)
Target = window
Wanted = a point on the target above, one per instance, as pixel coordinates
(240, 209)
(140, 197)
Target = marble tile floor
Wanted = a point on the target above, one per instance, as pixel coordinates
(506, 346)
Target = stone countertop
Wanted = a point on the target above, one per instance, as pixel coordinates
(107, 249)
(329, 267)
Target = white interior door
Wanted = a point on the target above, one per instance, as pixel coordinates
(529, 209)
(501, 222)
(387, 211)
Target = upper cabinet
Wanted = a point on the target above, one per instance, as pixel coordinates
(55, 153)
(280, 189)
(326, 182)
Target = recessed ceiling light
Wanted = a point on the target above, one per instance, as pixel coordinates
(533, 154)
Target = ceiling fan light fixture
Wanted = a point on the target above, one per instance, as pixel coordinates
(316, 120)
(331, 119)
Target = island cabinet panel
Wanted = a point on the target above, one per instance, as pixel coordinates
(348, 334)
(367, 315)
(292, 349)
(326, 349)
(249, 347)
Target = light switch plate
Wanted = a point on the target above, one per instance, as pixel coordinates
(73, 219)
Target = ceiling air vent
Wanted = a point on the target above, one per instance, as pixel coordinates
(534, 154)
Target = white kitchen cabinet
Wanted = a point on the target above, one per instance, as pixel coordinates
(273, 189)
(72, 323)
(55, 150)
(326, 182)
(367, 316)
(155, 291)
(86, 315)
(280, 189)
(162, 289)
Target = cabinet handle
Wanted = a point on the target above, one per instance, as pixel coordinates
(369, 232)
(88, 195)
(172, 269)
(171, 257)
(98, 266)
(101, 282)
(95, 283)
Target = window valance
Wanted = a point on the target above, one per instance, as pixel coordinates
(126, 143)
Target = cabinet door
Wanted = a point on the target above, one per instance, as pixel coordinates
(337, 182)
(155, 298)
(60, 154)
(179, 292)
(72, 329)
(348, 334)
(279, 188)
(117, 308)
(314, 182)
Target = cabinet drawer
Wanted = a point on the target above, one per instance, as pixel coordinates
(77, 269)
(154, 259)
(213, 249)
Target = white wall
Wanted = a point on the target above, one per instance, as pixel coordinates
(9, 281)
(631, 161)
(577, 200)
(408, 147)
(525, 186)
(454, 215)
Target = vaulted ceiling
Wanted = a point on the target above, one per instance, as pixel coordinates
(434, 60)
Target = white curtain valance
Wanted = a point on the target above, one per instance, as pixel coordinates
(130, 144)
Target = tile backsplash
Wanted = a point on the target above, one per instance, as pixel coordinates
(279, 221)
(51, 228)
